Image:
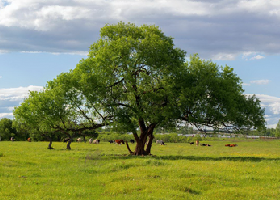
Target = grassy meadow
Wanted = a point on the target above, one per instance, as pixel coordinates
(175, 171)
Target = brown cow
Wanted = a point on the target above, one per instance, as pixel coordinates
(28, 139)
(231, 145)
(119, 141)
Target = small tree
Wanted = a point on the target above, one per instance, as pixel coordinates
(7, 129)
(58, 109)
(277, 130)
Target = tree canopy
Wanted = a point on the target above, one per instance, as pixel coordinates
(6, 129)
(136, 80)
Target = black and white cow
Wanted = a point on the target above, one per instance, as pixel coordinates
(160, 142)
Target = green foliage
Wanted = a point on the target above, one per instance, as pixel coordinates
(130, 69)
(213, 96)
(6, 129)
(277, 130)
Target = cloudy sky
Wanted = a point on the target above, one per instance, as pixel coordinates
(41, 38)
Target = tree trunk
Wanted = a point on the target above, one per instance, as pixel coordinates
(68, 144)
(142, 141)
(50, 144)
(139, 149)
(84, 138)
(149, 145)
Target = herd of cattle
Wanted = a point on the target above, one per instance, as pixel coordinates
(208, 145)
(161, 142)
(92, 141)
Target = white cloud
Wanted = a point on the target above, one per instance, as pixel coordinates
(260, 82)
(251, 55)
(81, 53)
(6, 115)
(216, 29)
(247, 54)
(11, 97)
(258, 57)
(222, 56)
(15, 94)
(272, 108)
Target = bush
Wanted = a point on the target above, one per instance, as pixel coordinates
(106, 136)
(174, 138)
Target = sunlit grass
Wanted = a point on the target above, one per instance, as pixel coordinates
(105, 171)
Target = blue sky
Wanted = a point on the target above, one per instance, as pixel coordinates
(40, 39)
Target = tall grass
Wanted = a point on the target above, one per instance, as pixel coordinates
(105, 171)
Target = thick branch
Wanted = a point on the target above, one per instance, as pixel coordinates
(120, 104)
(127, 146)
(84, 114)
(116, 83)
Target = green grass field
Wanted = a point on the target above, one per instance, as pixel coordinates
(104, 171)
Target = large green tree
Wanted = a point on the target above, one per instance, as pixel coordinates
(135, 79)
(137, 74)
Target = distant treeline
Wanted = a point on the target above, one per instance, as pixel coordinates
(9, 129)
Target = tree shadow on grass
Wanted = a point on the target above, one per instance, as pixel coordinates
(189, 158)
(177, 157)
(198, 158)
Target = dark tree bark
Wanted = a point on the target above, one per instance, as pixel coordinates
(146, 133)
(149, 145)
(50, 144)
(84, 138)
(68, 144)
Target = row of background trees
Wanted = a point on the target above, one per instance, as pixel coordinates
(10, 128)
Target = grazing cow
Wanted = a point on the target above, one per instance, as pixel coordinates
(78, 140)
(160, 142)
(66, 139)
(111, 141)
(95, 141)
(90, 140)
(191, 142)
(28, 139)
(119, 141)
(208, 145)
(197, 142)
(132, 141)
(231, 145)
